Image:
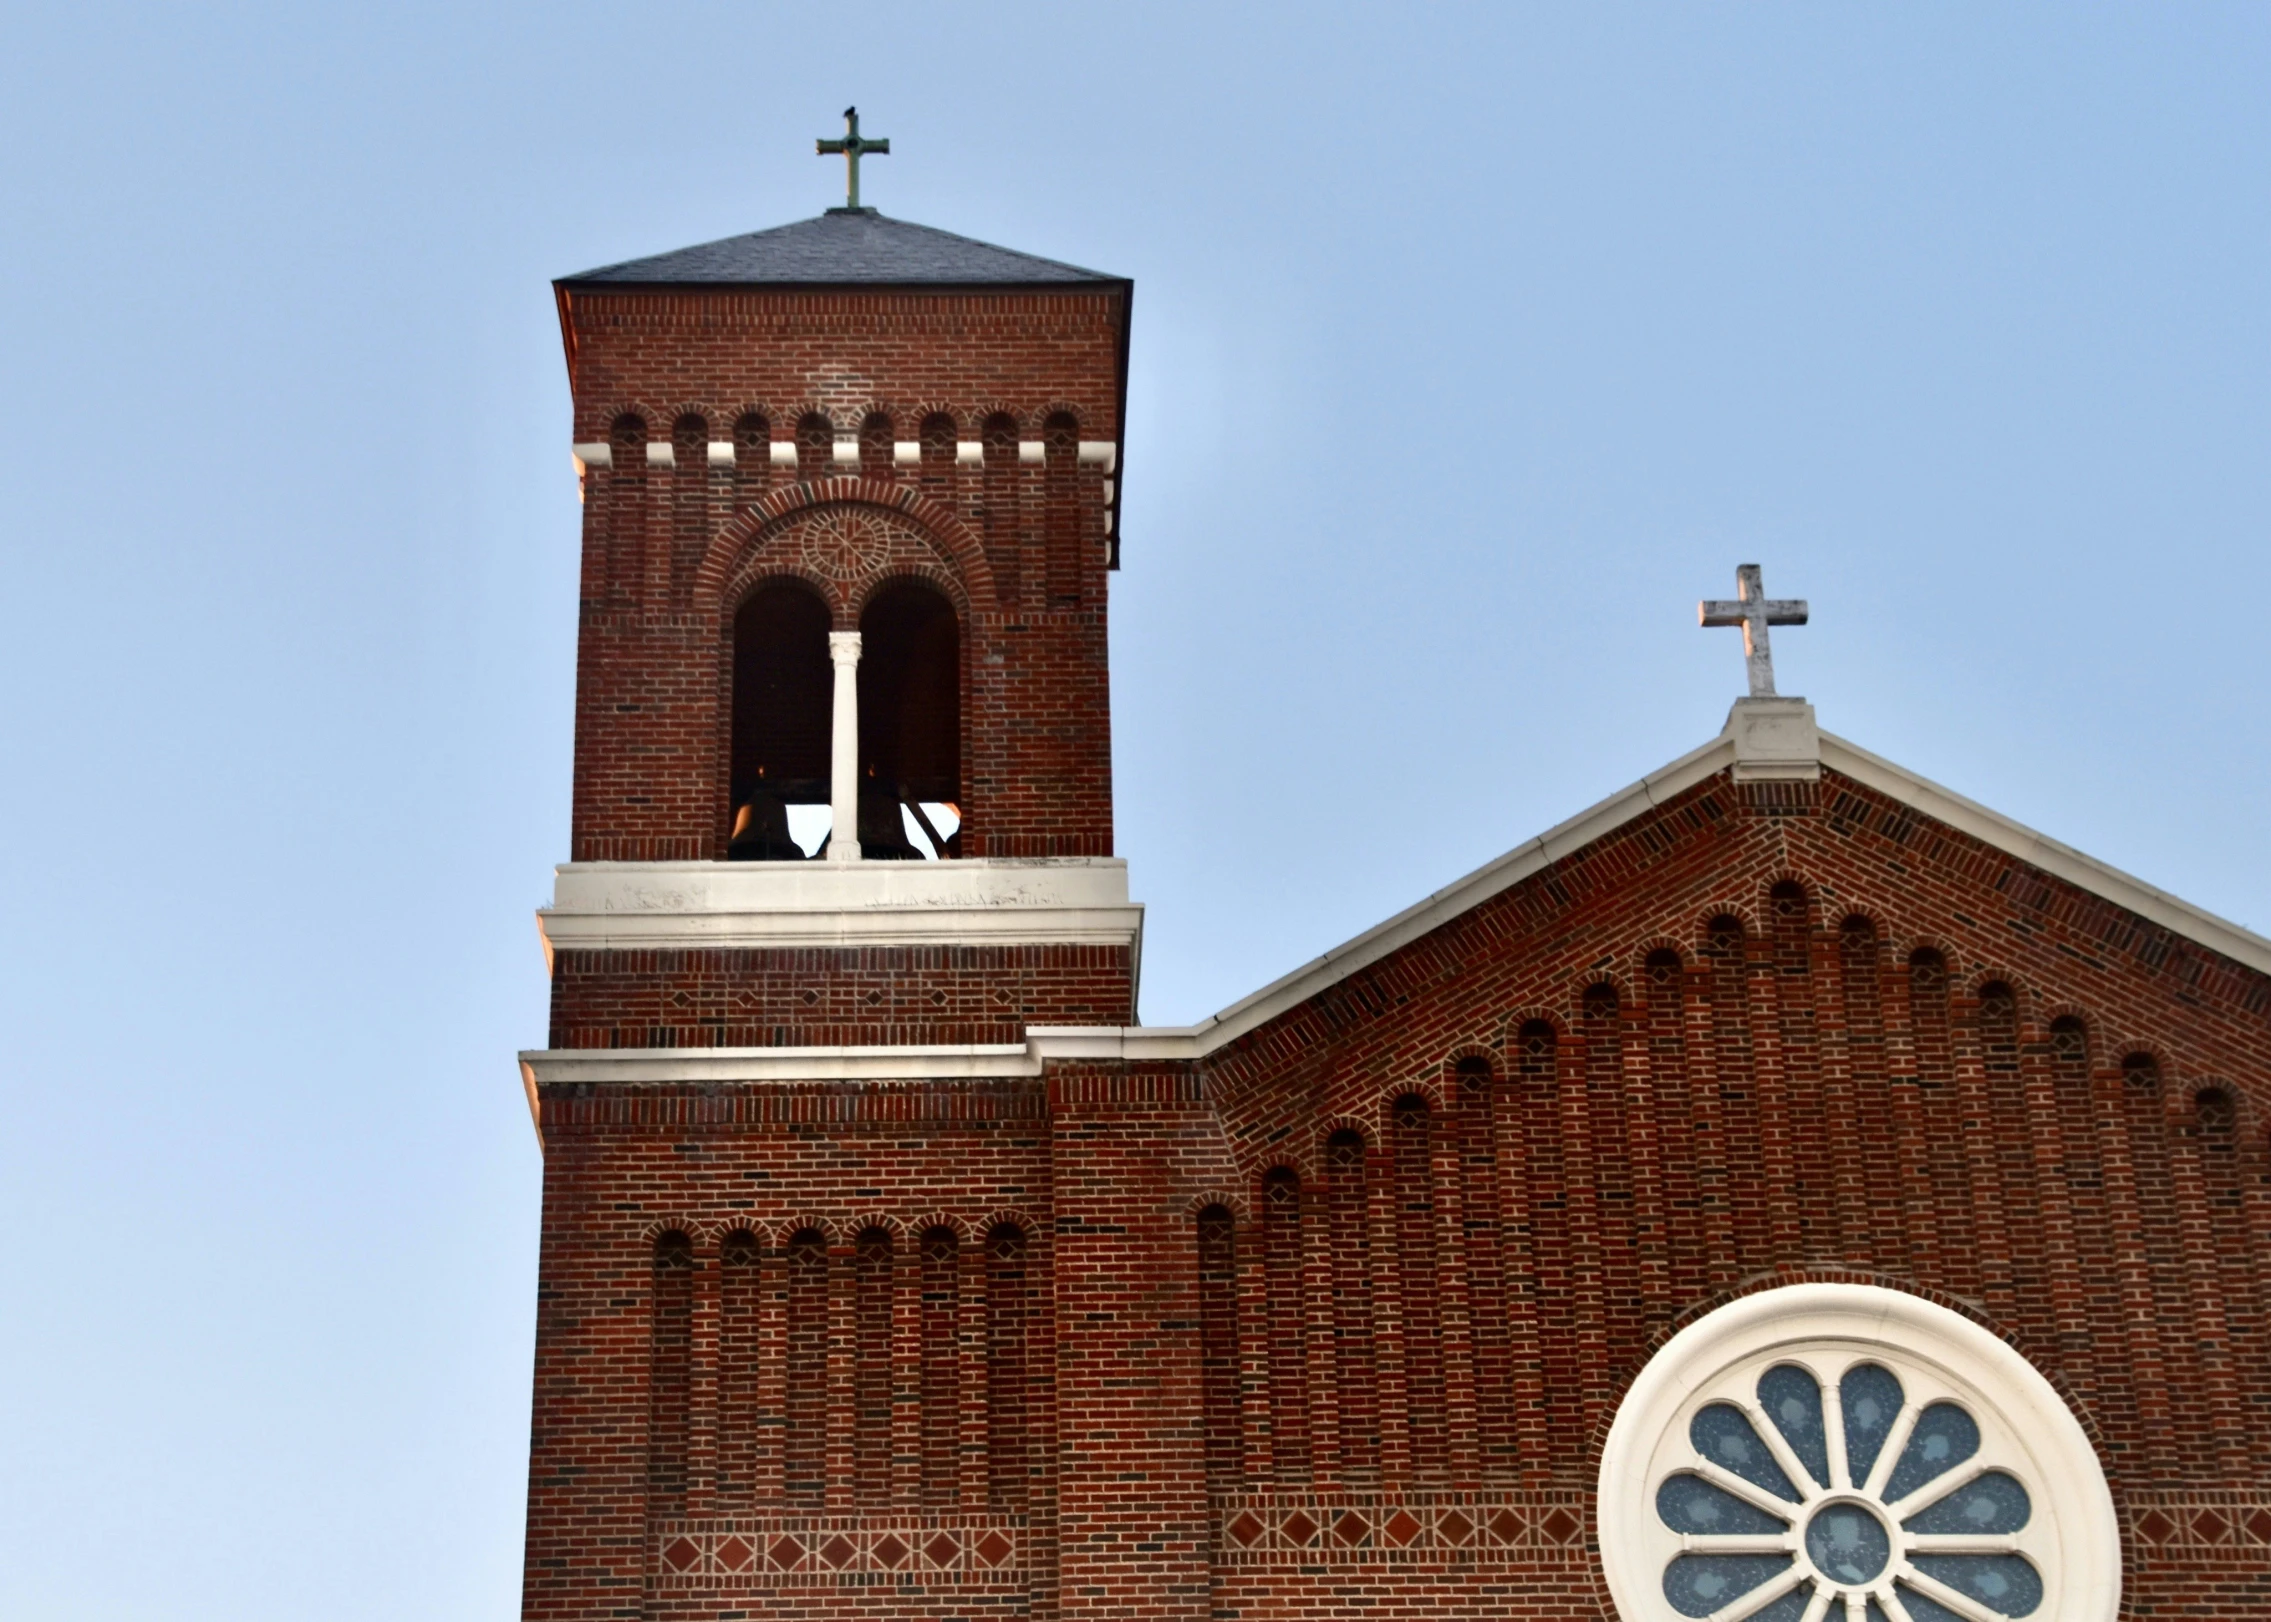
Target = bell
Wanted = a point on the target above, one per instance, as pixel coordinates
(761, 832)
(883, 834)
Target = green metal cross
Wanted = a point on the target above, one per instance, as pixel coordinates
(853, 146)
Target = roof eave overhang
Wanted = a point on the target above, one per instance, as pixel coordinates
(1102, 284)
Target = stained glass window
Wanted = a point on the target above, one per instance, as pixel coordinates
(1840, 1484)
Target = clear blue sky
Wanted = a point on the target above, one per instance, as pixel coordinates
(1472, 345)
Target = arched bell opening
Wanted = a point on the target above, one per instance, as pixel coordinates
(910, 710)
(782, 689)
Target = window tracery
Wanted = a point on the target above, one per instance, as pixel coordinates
(1848, 1452)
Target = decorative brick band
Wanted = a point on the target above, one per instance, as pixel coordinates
(2223, 1527)
(839, 1551)
(1304, 1529)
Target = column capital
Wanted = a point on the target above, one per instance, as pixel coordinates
(844, 647)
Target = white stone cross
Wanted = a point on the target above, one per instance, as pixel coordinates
(1754, 611)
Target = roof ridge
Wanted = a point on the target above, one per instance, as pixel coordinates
(842, 246)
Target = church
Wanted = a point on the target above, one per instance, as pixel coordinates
(1786, 1190)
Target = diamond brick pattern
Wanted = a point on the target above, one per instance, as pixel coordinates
(824, 1551)
(1542, 1528)
(2201, 1526)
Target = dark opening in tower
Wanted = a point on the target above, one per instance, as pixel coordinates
(782, 693)
(910, 693)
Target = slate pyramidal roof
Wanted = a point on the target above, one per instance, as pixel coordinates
(844, 246)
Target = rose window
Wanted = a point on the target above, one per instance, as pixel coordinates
(1803, 1461)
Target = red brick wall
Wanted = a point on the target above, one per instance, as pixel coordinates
(742, 1172)
(1658, 1110)
(2061, 1132)
(815, 996)
(669, 552)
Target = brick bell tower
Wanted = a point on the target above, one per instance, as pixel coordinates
(842, 840)
(890, 1269)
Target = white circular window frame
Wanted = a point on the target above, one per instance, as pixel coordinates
(2080, 1559)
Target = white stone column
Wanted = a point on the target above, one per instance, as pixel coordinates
(844, 750)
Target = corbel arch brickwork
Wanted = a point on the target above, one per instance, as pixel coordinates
(1895, 1061)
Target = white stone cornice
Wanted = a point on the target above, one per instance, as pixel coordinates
(592, 453)
(782, 453)
(906, 452)
(2040, 850)
(601, 905)
(982, 901)
(969, 453)
(1103, 453)
(847, 450)
(1129, 1043)
(1990, 828)
(1032, 452)
(721, 453)
(1281, 995)
(1004, 1061)
(990, 1062)
(661, 453)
